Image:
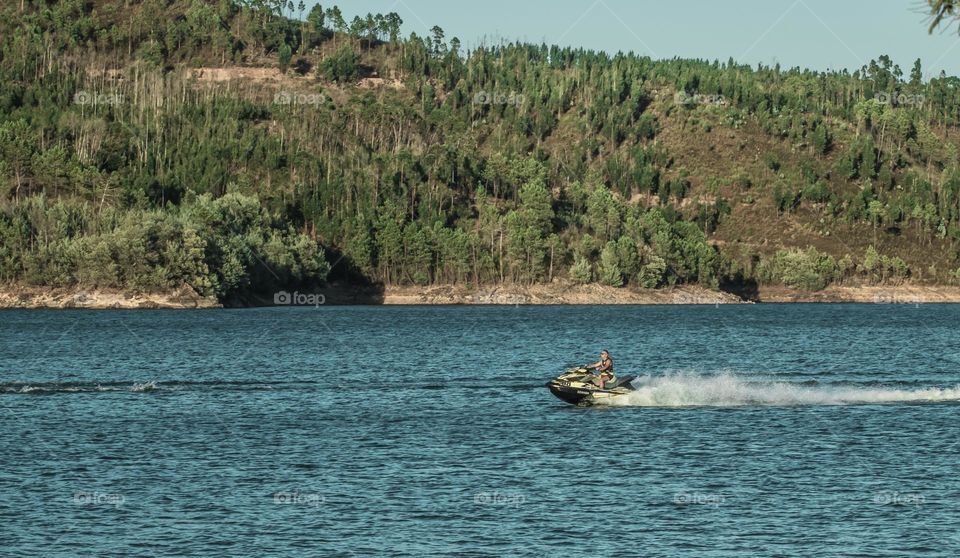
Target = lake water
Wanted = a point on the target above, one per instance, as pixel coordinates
(766, 430)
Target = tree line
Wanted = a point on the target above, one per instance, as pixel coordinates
(509, 163)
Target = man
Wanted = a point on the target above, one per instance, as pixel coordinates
(604, 369)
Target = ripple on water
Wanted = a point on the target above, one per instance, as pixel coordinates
(799, 430)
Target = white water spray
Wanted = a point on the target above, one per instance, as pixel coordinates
(728, 390)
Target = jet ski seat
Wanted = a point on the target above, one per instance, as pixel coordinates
(618, 381)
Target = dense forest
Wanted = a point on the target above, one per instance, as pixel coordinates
(240, 147)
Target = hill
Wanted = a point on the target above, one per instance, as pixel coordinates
(241, 148)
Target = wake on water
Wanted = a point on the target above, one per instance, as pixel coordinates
(729, 390)
(672, 390)
(55, 387)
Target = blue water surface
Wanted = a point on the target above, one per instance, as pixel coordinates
(758, 430)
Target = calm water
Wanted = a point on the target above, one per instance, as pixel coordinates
(771, 430)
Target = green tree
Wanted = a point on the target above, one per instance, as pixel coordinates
(392, 22)
(580, 271)
(610, 272)
(342, 66)
(439, 47)
(821, 139)
(286, 53)
(317, 20)
(16, 151)
(652, 273)
(916, 73)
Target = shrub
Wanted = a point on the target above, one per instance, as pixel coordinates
(646, 126)
(785, 198)
(817, 192)
(652, 273)
(809, 269)
(880, 268)
(284, 56)
(580, 271)
(610, 272)
(344, 65)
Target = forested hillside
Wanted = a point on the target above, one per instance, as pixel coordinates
(245, 146)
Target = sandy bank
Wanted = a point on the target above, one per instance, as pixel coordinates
(47, 297)
(13, 296)
(555, 294)
(900, 294)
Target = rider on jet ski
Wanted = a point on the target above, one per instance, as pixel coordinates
(604, 368)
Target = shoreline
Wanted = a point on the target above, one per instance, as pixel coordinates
(22, 297)
(686, 295)
(866, 294)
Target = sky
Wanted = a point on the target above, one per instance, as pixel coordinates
(814, 34)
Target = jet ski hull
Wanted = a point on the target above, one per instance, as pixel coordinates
(571, 395)
(576, 388)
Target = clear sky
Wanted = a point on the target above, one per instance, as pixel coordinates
(815, 34)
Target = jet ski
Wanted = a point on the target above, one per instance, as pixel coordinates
(575, 386)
